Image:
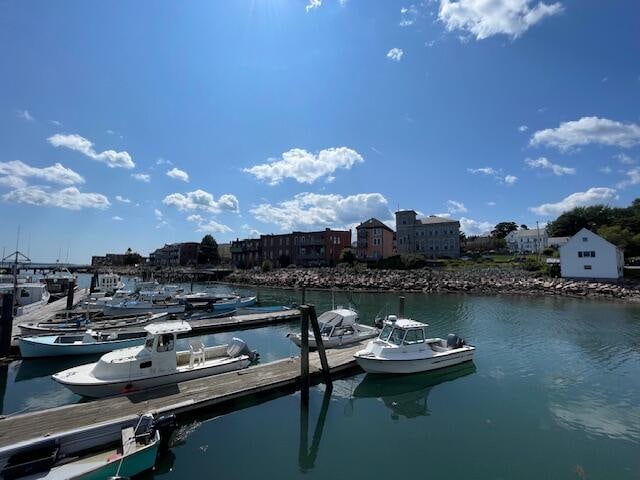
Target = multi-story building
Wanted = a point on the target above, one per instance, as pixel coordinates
(224, 250)
(527, 241)
(321, 248)
(175, 254)
(246, 253)
(108, 260)
(433, 237)
(375, 240)
(588, 255)
(277, 249)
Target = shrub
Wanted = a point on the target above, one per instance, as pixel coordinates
(348, 256)
(267, 266)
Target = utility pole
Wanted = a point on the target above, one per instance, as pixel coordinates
(538, 235)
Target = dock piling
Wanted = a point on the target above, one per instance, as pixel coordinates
(304, 295)
(304, 348)
(320, 345)
(401, 307)
(72, 287)
(6, 324)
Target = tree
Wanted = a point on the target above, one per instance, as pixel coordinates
(594, 217)
(208, 252)
(131, 257)
(503, 229)
(348, 256)
(524, 227)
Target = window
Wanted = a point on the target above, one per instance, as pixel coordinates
(145, 364)
(585, 239)
(593, 254)
(396, 336)
(165, 342)
(580, 254)
(149, 343)
(386, 331)
(587, 267)
(414, 336)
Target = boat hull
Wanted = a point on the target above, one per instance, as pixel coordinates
(127, 386)
(230, 305)
(112, 310)
(337, 341)
(32, 347)
(396, 366)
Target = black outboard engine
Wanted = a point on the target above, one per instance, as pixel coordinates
(454, 341)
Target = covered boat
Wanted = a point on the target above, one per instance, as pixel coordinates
(28, 296)
(155, 363)
(80, 324)
(338, 327)
(234, 303)
(404, 347)
(131, 307)
(89, 343)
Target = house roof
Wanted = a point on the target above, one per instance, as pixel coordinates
(432, 219)
(374, 223)
(526, 233)
(580, 232)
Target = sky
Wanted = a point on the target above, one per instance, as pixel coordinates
(134, 124)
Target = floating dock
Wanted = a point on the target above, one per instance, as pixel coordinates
(237, 322)
(172, 399)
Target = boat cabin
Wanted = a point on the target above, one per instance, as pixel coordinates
(339, 322)
(403, 331)
(109, 282)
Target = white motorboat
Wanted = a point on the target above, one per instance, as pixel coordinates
(338, 327)
(28, 296)
(79, 324)
(132, 307)
(109, 282)
(154, 364)
(233, 303)
(89, 343)
(59, 281)
(403, 347)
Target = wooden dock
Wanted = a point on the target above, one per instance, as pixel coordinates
(238, 322)
(175, 399)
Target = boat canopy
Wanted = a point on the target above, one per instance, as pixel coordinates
(341, 316)
(160, 328)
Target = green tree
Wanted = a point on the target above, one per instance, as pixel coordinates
(208, 252)
(348, 256)
(131, 257)
(503, 229)
(524, 227)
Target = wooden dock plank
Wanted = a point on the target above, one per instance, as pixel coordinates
(175, 399)
(242, 321)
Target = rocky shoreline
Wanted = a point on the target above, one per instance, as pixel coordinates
(479, 281)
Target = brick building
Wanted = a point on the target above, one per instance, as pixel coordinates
(175, 254)
(375, 240)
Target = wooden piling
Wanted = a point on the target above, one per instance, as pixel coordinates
(6, 324)
(401, 307)
(320, 345)
(304, 347)
(304, 295)
(72, 287)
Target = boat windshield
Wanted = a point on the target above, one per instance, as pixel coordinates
(325, 329)
(149, 343)
(397, 336)
(386, 331)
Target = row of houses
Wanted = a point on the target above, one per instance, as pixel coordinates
(179, 254)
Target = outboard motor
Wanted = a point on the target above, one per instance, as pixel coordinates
(238, 348)
(454, 341)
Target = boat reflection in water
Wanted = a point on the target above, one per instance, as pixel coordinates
(406, 395)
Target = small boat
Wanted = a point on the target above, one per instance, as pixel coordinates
(266, 309)
(89, 343)
(109, 282)
(131, 307)
(80, 324)
(234, 303)
(29, 297)
(338, 327)
(403, 347)
(121, 450)
(155, 363)
(59, 281)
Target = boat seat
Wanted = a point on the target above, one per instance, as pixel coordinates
(197, 353)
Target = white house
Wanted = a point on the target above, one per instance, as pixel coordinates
(587, 255)
(527, 241)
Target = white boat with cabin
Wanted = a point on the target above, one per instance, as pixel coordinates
(403, 347)
(155, 363)
(338, 327)
(29, 297)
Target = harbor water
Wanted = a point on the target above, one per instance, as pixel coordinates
(553, 392)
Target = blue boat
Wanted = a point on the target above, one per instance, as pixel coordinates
(234, 303)
(89, 343)
(268, 309)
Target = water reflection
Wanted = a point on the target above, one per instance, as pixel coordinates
(29, 369)
(406, 395)
(307, 456)
(4, 373)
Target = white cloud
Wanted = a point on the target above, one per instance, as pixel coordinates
(311, 210)
(395, 54)
(313, 4)
(122, 199)
(474, 227)
(80, 144)
(523, 128)
(579, 199)
(491, 204)
(25, 115)
(13, 182)
(588, 130)
(70, 198)
(159, 218)
(117, 218)
(142, 177)
(55, 173)
(208, 226)
(625, 159)
(497, 174)
(305, 167)
(633, 178)
(606, 170)
(162, 161)
(455, 207)
(408, 15)
(111, 132)
(544, 163)
(56, 123)
(201, 200)
(485, 18)
(178, 174)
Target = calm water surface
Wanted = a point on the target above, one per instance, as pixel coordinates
(554, 391)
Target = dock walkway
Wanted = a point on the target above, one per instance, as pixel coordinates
(235, 322)
(175, 399)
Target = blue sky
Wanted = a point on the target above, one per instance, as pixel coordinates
(132, 124)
